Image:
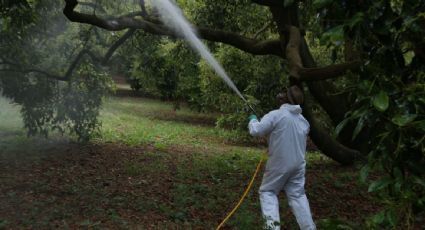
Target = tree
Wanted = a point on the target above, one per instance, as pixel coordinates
(59, 90)
(370, 85)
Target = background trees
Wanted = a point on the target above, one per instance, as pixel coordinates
(361, 64)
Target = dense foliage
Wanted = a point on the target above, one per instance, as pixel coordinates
(35, 78)
(168, 69)
(388, 97)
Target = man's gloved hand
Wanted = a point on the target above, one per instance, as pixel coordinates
(252, 117)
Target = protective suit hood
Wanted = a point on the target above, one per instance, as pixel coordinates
(295, 109)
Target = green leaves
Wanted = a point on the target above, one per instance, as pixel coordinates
(318, 4)
(340, 126)
(378, 218)
(333, 36)
(387, 217)
(403, 120)
(381, 101)
(419, 181)
(287, 3)
(359, 127)
(364, 173)
(421, 125)
(356, 19)
(379, 184)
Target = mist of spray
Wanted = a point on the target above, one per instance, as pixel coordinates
(172, 16)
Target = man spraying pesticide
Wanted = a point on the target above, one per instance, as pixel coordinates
(285, 168)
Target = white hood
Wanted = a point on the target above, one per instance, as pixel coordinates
(296, 109)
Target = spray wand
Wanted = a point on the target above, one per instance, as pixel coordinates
(251, 108)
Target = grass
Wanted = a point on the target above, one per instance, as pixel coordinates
(11, 125)
(9, 113)
(154, 168)
(145, 121)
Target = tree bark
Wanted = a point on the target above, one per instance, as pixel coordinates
(299, 57)
(293, 52)
(332, 71)
(274, 3)
(253, 46)
(117, 44)
(328, 145)
(335, 106)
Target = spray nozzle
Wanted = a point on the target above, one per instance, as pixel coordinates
(251, 108)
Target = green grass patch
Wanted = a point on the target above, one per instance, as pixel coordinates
(9, 116)
(147, 121)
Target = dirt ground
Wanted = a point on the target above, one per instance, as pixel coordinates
(80, 187)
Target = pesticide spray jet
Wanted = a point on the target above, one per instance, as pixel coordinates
(172, 16)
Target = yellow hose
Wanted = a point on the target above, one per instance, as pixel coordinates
(243, 196)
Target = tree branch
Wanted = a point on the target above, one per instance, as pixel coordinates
(293, 52)
(95, 6)
(94, 57)
(249, 45)
(332, 71)
(264, 28)
(321, 89)
(143, 8)
(269, 2)
(32, 70)
(75, 62)
(21, 69)
(117, 44)
(328, 145)
(129, 15)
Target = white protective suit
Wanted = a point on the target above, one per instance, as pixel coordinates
(285, 168)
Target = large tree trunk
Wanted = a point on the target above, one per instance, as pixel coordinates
(336, 109)
(335, 106)
(325, 142)
(286, 19)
